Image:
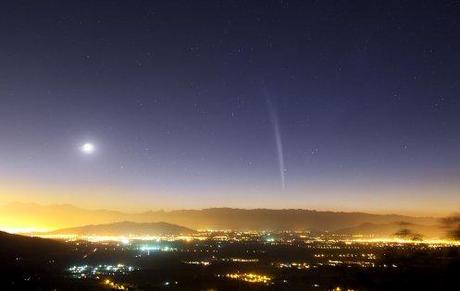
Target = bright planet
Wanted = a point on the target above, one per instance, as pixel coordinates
(87, 148)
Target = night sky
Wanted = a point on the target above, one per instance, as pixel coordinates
(340, 105)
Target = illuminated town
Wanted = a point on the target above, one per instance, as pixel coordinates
(225, 258)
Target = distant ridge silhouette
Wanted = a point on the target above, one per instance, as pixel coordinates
(65, 216)
(127, 228)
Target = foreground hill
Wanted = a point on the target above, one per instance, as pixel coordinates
(29, 263)
(63, 216)
(18, 246)
(127, 228)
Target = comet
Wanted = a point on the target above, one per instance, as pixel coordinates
(279, 144)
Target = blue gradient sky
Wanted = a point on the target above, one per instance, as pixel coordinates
(174, 96)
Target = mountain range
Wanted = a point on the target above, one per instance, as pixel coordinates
(65, 216)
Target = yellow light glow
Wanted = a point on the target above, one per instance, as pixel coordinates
(249, 277)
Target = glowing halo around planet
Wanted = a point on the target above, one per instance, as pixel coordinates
(87, 148)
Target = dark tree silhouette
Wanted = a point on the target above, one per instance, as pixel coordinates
(452, 224)
(406, 233)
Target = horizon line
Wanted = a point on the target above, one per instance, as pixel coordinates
(133, 211)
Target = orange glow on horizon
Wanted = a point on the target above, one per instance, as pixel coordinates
(111, 199)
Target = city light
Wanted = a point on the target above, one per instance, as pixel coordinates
(249, 277)
(114, 285)
(89, 271)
